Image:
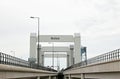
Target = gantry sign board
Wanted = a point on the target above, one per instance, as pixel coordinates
(56, 38)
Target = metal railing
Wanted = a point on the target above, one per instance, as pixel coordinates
(110, 56)
(11, 60)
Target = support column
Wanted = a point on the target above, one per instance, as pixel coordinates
(64, 77)
(40, 54)
(69, 77)
(71, 54)
(54, 77)
(49, 77)
(77, 48)
(67, 59)
(41, 58)
(33, 46)
(38, 77)
(82, 76)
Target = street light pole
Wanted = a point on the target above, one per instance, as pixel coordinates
(38, 62)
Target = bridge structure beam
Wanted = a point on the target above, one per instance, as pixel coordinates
(69, 51)
(74, 56)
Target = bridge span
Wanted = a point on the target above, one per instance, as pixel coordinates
(16, 68)
(15, 72)
(105, 66)
(106, 70)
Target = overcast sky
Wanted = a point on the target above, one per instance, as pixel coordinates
(98, 22)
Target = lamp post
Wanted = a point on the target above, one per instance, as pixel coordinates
(38, 62)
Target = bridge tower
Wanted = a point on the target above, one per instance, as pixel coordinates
(73, 51)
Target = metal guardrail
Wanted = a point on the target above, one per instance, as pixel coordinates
(110, 56)
(11, 60)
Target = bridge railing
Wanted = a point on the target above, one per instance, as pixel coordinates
(11, 60)
(110, 56)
